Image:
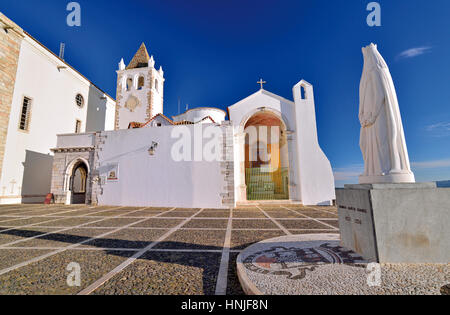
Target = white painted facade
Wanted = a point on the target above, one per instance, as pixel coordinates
(146, 173)
(311, 180)
(156, 180)
(52, 86)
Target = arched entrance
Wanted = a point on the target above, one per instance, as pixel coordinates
(78, 183)
(266, 158)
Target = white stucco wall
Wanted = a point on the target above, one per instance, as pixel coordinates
(74, 140)
(156, 180)
(197, 114)
(242, 111)
(28, 159)
(316, 175)
(311, 179)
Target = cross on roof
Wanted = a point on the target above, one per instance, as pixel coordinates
(262, 83)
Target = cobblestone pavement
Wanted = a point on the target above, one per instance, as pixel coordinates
(144, 251)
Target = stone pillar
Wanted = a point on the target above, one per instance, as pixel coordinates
(242, 187)
(227, 166)
(95, 180)
(11, 36)
(294, 191)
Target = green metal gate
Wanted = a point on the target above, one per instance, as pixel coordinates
(266, 184)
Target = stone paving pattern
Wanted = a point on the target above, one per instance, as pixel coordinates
(186, 246)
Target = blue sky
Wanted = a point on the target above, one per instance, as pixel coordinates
(213, 52)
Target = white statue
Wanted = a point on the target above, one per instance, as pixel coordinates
(382, 138)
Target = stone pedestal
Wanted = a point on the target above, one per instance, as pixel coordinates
(400, 177)
(396, 223)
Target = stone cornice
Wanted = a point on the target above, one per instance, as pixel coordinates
(70, 150)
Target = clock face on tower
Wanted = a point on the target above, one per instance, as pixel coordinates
(132, 103)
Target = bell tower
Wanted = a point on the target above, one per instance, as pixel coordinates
(140, 90)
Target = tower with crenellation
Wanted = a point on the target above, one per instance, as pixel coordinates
(140, 90)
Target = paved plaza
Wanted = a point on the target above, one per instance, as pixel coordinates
(132, 250)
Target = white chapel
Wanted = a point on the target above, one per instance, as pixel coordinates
(269, 150)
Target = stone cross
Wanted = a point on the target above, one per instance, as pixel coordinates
(262, 83)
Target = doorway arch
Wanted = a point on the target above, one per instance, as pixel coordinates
(266, 157)
(77, 175)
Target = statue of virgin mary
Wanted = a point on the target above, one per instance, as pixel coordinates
(382, 137)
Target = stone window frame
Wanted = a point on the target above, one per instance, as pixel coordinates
(28, 116)
(78, 126)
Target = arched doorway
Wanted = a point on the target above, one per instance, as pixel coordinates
(78, 183)
(266, 158)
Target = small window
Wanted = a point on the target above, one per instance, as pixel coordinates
(141, 83)
(304, 96)
(78, 126)
(25, 114)
(79, 100)
(129, 84)
(156, 85)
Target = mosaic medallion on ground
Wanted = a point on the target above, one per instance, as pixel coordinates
(291, 258)
(316, 264)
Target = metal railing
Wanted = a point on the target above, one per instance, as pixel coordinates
(266, 184)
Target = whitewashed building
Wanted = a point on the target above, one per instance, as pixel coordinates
(267, 151)
(41, 96)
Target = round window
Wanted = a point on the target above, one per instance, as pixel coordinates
(79, 99)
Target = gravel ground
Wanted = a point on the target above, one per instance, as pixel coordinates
(127, 239)
(316, 214)
(63, 239)
(302, 224)
(11, 257)
(180, 264)
(234, 287)
(214, 224)
(243, 239)
(9, 236)
(159, 223)
(3, 219)
(144, 213)
(179, 214)
(194, 239)
(78, 213)
(23, 222)
(49, 276)
(285, 214)
(67, 222)
(254, 224)
(112, 213)
(214, 214)
(166, 274)
(248, 214)
(114, 222)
